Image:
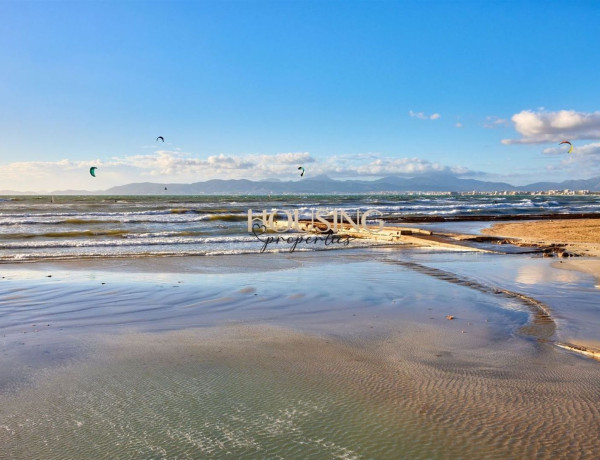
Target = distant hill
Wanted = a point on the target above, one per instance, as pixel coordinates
(582, 184)
(317, 184)
(324, 184)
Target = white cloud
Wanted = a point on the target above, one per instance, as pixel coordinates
(182, 165)
(290, 158)
(578, 150)
(583, 161)
(407, 166)
(380, 166)
(588, 149)
(492, 121)
(458, 124)
(422, 116)
(541, 126)
(176, 167)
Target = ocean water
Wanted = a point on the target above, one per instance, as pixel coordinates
(344, 354)
(63, 227)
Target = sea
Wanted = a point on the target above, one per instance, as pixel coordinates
(347, 354)
(34, 228)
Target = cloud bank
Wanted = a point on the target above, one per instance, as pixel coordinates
(168, 166)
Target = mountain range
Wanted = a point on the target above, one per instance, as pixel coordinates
(323, 185)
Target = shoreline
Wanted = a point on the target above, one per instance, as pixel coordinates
(541, 325)
(579, 237)
(320, 359)
(583, 265)
(211, 355)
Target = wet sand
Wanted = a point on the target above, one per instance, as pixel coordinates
(591, 266)
(579, 236)
(569, 297)
(248, 391)
(345, 356)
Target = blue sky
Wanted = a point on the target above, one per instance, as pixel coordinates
(255, 88)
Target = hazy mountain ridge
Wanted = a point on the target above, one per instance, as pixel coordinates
(324, 184)
(592, 184)
(317, 184)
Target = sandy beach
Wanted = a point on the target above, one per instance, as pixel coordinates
(591, 266)
(164, 333)
(579, 236)
(348, 355)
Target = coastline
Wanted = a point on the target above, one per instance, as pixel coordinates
(300, 230)
(579, 237)
(329, 335)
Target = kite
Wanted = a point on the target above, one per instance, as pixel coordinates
(571, 145)
(161, 138)
(300, 167)
(93, 170)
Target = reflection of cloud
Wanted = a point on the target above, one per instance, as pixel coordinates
(541, 126)
(531, 274)
(422, 116)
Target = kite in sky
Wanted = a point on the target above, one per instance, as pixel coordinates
(300, 167)
(571, 145)
(161, 138)
(93, 171)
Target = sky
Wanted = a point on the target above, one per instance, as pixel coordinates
(254, 89)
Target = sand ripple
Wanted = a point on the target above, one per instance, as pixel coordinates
(251, 391)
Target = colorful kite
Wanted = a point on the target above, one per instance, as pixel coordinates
(571, 145)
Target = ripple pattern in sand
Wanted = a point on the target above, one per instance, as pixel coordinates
(248, 392)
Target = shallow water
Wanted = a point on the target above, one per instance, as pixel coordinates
(312, 290)
(573, 297)
(286, 356)
(248, 392)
